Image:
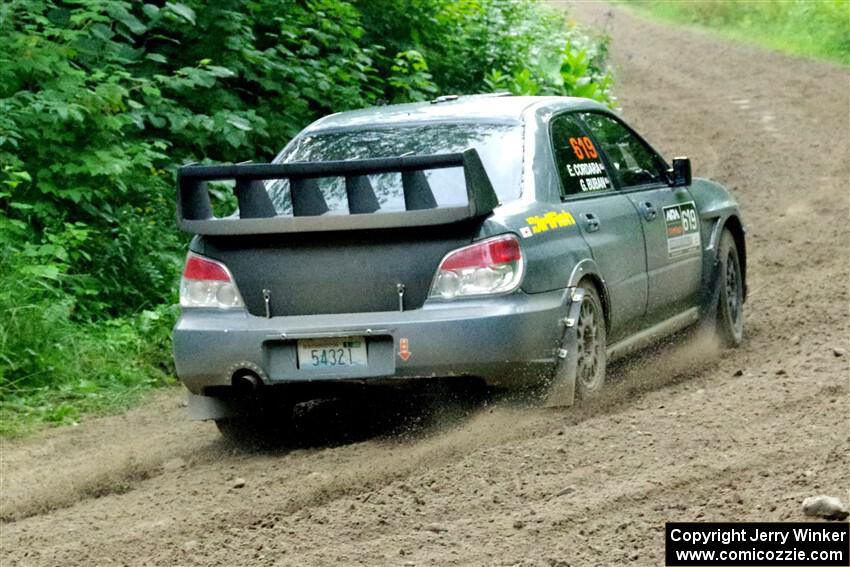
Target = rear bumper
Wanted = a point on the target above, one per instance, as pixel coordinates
(506, 339)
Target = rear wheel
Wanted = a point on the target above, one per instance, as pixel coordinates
(591, 353)
(265, 426)
(729, 322)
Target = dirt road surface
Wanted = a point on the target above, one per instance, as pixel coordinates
(686, 433)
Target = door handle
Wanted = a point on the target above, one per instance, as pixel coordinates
(648, 210)
(591, 222)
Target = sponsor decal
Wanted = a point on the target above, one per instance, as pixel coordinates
(683, 234)
(550, 221)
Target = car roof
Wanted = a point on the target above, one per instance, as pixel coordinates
(471, 108)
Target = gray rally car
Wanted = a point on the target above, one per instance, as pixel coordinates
(516, 240)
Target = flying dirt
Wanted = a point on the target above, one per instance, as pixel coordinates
(687, 432)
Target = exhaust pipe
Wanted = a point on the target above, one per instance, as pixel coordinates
(246, 381)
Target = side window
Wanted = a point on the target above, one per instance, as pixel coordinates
(579, 164)
(634, 163)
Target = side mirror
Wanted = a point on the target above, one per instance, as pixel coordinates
(680, 173)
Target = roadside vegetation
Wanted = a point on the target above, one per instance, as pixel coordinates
(100, 101)
(810, 28)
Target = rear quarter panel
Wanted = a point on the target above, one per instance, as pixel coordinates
(550, 239)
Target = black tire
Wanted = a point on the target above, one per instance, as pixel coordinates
(729, 312)
(592, 355)
(265, 427)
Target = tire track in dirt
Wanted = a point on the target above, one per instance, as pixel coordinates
(99, 458)
(94, 468)
(683, 434)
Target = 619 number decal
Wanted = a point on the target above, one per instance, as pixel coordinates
(583, 148)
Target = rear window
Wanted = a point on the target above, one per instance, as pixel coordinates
(498, 145)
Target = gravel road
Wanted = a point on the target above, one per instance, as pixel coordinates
(685, 432)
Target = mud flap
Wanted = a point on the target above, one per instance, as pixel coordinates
(201, 408)
(711, 297)
(562, 386)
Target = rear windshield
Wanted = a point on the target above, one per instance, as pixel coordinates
(498, 145)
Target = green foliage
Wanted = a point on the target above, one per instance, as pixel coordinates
(101, 100)
(496, 45)
(819, 28)
(410, 80)
(53, 369)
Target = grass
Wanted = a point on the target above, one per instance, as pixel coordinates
(28, 411)
(808, 28)
(54, 370)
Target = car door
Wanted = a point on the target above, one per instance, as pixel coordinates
(669, 216)
(607, 221)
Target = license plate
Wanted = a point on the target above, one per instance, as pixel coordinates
(342, 352)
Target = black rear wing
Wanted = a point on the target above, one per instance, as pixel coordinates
(257, 214)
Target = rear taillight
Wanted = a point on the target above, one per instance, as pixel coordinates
(207, 283)
(491, 266)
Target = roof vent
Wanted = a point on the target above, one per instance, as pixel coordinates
(444, 98)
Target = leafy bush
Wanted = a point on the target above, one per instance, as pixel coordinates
(496, 45)
(100, 100)
(52, 369)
